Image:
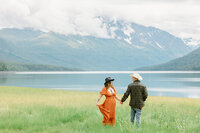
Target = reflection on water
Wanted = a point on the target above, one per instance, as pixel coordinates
(164, 83)
(3, 78)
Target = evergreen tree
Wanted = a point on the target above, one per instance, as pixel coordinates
(3, 67)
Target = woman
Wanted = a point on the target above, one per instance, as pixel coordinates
(108, 108)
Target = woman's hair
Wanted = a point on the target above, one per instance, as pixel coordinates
(106, 84)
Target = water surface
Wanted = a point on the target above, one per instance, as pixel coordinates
(159, 83)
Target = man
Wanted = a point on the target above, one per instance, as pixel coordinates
(139, 94)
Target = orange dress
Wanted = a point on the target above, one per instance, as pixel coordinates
(108, 108)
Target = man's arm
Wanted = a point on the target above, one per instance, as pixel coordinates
(126, 94)
(145, 94)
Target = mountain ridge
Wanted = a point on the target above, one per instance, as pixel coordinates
(190, 61)
(132, 46)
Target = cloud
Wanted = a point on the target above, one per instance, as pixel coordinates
(179, 17)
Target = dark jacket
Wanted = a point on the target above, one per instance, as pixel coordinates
(138, 93)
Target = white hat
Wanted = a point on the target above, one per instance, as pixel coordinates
(137, 76)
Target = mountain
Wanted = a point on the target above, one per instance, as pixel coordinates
(128, 46)
(32, 67)
(191, 42)
(190, 61)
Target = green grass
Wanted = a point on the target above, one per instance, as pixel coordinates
(32, 110)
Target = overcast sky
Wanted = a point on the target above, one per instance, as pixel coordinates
(179, 17)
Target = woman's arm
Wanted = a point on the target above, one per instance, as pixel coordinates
(116, 95)
(118, 98)
(98, 100)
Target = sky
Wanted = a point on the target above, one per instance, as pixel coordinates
(178, 17)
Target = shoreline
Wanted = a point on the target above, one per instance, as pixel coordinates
(94, 92)
(92, 72)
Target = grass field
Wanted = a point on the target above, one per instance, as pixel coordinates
(32, 110)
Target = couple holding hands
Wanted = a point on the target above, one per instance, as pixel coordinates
(138, 94)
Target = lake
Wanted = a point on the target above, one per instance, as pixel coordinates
(159, 83)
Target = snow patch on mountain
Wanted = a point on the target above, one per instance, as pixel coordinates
(141, 34)
(158, 45)
(143, 41)
(191, 42)
(149, 34)
(128, 40)
(128, 30)
(112, 31)
(139, 47)
(80, 42)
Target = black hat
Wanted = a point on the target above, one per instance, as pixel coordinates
(108, 79)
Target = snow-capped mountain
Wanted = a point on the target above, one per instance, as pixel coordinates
(127, 46)
(191, 42)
